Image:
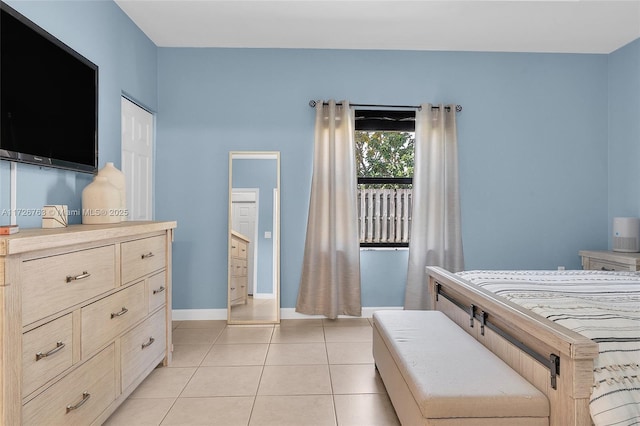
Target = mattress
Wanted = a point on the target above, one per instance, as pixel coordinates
(603, 306)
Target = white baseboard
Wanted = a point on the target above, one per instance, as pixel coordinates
(285, 313)
(367, 312)
(198, 314)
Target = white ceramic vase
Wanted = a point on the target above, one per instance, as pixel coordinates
(117, 179)
(100, 202)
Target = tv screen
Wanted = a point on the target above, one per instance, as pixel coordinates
(49, 98)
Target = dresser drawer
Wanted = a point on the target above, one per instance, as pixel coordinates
(62, 403)
(602, 265)
(105, 319)
(238, 267)
(141, 346)
(235, 247)
(234, 290)
(54, 283)
(238, 290)
(157, 291)
(141, 257)
(242, 249)
(46, 352)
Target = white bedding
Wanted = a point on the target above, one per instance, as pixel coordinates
(603, 306)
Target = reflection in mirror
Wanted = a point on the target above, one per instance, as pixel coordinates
(254, 247)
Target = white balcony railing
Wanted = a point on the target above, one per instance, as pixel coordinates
(384, 215)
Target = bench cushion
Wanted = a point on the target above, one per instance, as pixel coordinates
(450, 374)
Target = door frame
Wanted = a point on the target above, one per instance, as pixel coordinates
(152, 189)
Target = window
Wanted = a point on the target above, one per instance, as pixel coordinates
(384, 157)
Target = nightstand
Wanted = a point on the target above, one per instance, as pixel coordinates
(610, 260)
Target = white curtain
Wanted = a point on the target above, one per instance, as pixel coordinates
(330, 282)
(436, 238)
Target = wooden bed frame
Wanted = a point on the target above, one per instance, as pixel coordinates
(556, 360)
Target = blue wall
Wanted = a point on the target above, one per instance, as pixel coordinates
(624, 133)
(549, 147)
(533, 151)
(127, 62)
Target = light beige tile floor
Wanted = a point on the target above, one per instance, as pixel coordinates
(298, 373)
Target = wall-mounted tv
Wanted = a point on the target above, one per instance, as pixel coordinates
(49, 98)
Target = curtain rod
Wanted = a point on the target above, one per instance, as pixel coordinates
(313, 103)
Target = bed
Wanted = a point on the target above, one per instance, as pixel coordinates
(575, 335)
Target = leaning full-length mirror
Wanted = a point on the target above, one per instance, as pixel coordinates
(254, 233)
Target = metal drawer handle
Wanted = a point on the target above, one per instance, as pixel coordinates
(160, 290)
(85, 398)
(149, 343)
(119, 314)
(82, 276)
(607, 269)
(59, 347)
(233, 288)
(148, 255)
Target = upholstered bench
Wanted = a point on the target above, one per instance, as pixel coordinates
(437, 374)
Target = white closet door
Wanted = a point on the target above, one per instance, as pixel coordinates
(137, 159)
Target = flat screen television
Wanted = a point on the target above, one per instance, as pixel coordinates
(49, 98)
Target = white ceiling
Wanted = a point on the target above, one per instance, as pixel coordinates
(575, 26)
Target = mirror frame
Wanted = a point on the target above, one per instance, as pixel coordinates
(255, 155)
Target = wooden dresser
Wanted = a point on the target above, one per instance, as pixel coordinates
(610, 260)
(238, 284)
(86, 316)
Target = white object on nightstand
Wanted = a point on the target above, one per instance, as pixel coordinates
(626, 234)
